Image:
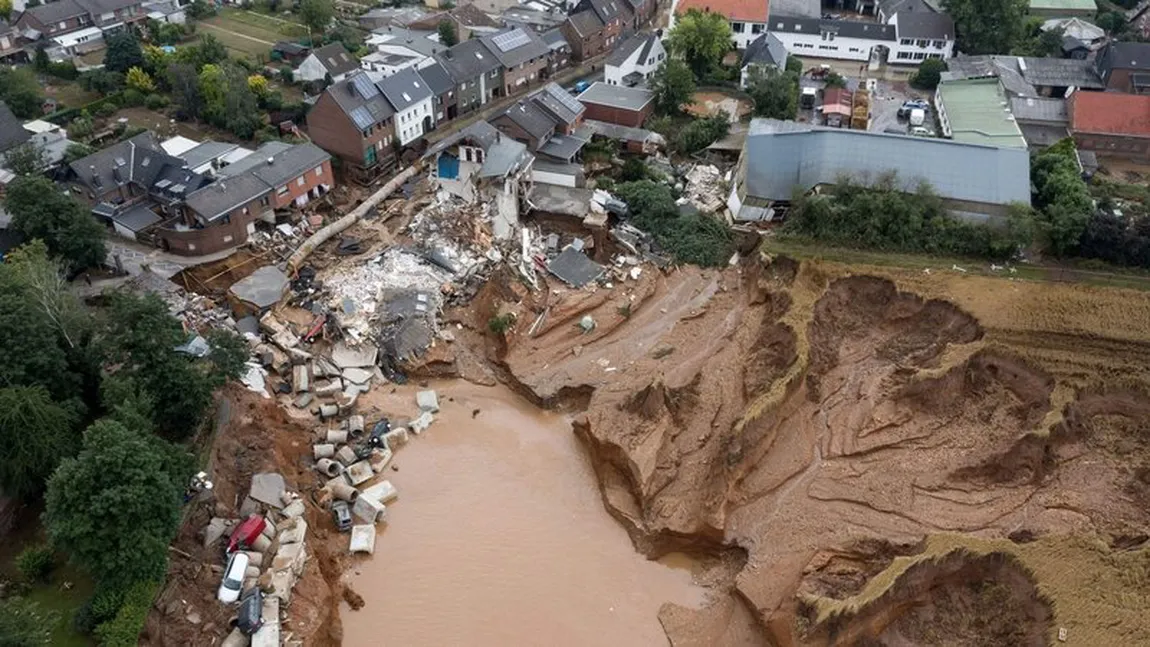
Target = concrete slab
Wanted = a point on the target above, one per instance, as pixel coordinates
(355, 375)
(574, 268)
(346, 455)
(361, 356)
(363, 539)
(215, 530)
(359, 472)
(427, 401)
(369, 510)
(294, 509)
(291, 557)
(269, 634)
(281, 585)
(303, 400)
(323, 389)
(293, 531)
(267, 488)
(300, 379)
(384, 492)
(236, 639)
(420, 424)
(379, 459)
(262, 288)
(396, 438)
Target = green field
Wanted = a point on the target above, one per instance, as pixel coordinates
(249, 34)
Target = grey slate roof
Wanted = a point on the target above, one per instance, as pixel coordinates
(404, 89)
(1039, 109)
(585, 22)
(800, 8)
(417, 40)
(783, 155)
(335, 59)
(438, 80)
(843, 28)
(642, 42)
(471, 16)
(530, 117)
(559, 103)
(350, 100)
(468, 60)
(206, 152)
(1021, 79)
(616, 96)
(139, 161)
(54, 12)
(555, 39)
(1123, 56)
(563, 147)
(609, 10)
(137, 217)
(97, 7)
(534, 47)
(12, 132)
(891, 7)
(766, 50)
(935, 26)
(502, 154)
(287, 162)
(226, 194)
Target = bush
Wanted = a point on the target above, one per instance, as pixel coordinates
(701, 133)
(106, 109)
(132, 97)
(124, 629)
(690, 238)
(633, 170)
(35, 563)
(501, 324)
(63, 70)
(929, 74)
(155, 102)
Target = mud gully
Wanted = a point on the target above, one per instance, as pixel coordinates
(847, 455)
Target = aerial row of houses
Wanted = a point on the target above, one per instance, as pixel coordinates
(66, 28)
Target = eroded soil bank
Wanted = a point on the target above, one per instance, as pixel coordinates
(500, 537)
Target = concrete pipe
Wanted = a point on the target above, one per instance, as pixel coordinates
(325, 450)
(328, 411)
(336, 436)
(329, 467)
(344, 492)
(262, 543)
(355, 425)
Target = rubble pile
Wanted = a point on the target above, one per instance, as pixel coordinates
(705, 189)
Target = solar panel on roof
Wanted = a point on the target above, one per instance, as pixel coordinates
(566, 99)
(364, 86)
(510, 40)
(361, 117)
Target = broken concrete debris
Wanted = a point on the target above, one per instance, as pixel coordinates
(574, 268)
(259, 291)
(427, 401)
(363, 539)
(268, 488)
(369, 510)
(358, 472)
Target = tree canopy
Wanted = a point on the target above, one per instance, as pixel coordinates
(316, 14)
(775, 92)
(988, 26)
(35, 435)
(448, 36)
(702, 38)
(124, 52)
(21, 91)
(116, 506)
(929, 74)
(673, 85)
(690, 238)
(40, 210)
(1061, 197)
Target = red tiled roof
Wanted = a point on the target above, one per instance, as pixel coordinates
(741, 10)
(1110, 113)
(839, 96)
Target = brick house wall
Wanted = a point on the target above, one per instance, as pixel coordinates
(512, 130)
(1120, 80)
(54, 29)
(530, 72)
(307, 185)
(217, 237)
(332, 130)
(583, 48)
(612, 115)
(1127, 146)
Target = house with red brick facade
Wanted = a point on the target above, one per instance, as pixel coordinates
(354, 121)
(1111, 124)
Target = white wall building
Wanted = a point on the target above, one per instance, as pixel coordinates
(330, 60)
(922, 36)
(635, 61)
(412, 99)
(908, 39)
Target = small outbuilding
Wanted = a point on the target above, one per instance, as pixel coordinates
(617, 104)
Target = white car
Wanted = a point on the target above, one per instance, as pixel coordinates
(233, 578)
(919, 131)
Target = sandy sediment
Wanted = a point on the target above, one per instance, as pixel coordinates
(818, 428)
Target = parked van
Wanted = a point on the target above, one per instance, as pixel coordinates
(808, 97)
(917, 117)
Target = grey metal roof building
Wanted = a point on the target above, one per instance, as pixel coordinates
(276, 163)
(138, 160)
(766, 50)
(206, 152)
(1023, 76)
(842, 28)
(644, 41)
(404, 89)
(468, 60)
(782, 156)
(920, 24)
(555, 39)
(226, 194)
(531, 118)
(616, 96)
(516, 46)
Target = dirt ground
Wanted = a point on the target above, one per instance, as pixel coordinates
(893, 458)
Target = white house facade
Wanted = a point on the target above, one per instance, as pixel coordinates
(907, 39)
(635, 61)
(412, 99)
(921, 36)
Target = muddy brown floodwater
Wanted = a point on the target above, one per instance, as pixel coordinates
(500, 537)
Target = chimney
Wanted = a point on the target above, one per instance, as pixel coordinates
(95, 178)
(270, 160)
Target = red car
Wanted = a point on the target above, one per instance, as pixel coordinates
(246, 533)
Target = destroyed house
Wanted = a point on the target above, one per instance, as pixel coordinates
(480, 164)
(549, 121)
(145, 194)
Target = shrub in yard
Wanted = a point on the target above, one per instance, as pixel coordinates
(102, 607)
(35, 563)
(155, 102)
(124, 629)
(132, 97)
(106, 109)
(500, 324)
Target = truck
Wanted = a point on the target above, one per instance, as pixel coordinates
(917, 117)
(808, 97)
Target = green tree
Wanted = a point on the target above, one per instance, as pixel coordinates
(25, 159)
(316, 15)
(124, 52)
(776, 94)
(200, 9)
(115, 506)
(702, 38)
(673, 85)
(835, 80)
(76, 151)
(40, 210)
(185, 85)
(448, 37)
(693, 238)
(138, 79)
(35, 435)
(140, 337)
(701, 133)
(5, 9)
(24, 624)
(988, 26)
(40, 59)
(1114, 22)
(21, 91)
(929, 74)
